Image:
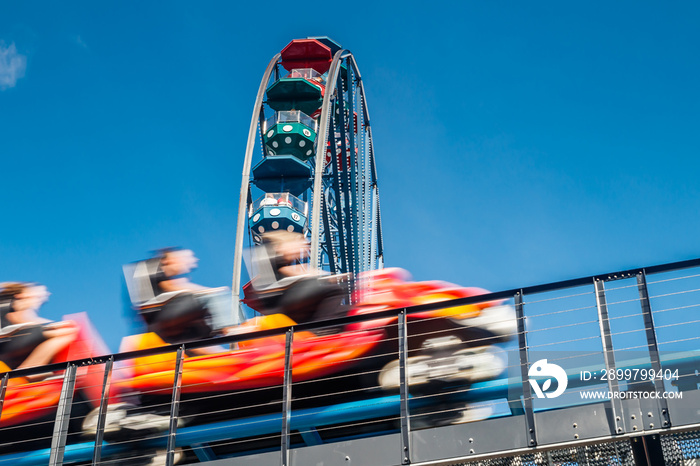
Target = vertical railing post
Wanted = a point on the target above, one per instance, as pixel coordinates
(287, 397)
(102, 414)
(524, 365)
(403, 390)
(653, 346)
(60, 428)
(175, 407)
(608, 354)
(3, 389)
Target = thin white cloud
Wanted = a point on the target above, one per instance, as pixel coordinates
(12, 66)
(79, 40)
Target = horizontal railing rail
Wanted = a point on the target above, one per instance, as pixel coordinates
(495, 296)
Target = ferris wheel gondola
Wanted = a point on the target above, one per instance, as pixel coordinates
(311, 99)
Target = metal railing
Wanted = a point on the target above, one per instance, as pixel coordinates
(637, 320)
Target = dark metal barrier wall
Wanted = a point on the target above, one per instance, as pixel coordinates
(641, 321)
(604, 454)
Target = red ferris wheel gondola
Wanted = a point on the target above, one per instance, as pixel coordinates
(307, 53)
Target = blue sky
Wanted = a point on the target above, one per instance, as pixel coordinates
(516, 143)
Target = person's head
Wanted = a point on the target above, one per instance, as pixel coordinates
(177, 261)
(287, 244)
(24, 296)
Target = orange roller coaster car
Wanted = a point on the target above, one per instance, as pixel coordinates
(260, 363)
(26, 401)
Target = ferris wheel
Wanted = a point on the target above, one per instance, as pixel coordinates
(309, 164)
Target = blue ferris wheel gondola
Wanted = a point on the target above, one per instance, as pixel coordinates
(282, 178)
(276, 212)
(282, 173)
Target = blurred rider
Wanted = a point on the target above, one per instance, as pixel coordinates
(184, 310)
(27, 340)
(302, 293)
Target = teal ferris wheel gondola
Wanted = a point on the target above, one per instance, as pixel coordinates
(290, 133)
(302, 89)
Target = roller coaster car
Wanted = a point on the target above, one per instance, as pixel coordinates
(256, 363)
(27, 401)
(448, 344)
(391, 288)
(259, 363)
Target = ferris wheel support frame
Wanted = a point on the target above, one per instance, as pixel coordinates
(321, 137)
(245, 186)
